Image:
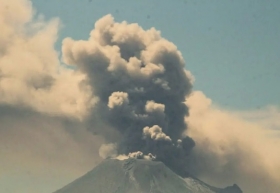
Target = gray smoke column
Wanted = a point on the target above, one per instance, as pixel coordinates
(141, 83)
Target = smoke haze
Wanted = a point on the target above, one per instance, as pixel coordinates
(130, 96)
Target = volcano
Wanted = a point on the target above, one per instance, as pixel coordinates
(138, 176)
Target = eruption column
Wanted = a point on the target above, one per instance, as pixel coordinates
(141, 83)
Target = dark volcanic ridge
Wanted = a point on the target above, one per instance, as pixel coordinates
(138, 176)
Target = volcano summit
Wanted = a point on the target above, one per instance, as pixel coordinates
(138, 176)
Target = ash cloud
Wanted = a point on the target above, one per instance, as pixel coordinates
(41, 105)
(141, 84)
(155, 133)
(152, 106)
(136, 155)
(118, 99)
(234, 146)
(45, 109)
(108, 150)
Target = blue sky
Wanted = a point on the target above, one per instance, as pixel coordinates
(231, 47)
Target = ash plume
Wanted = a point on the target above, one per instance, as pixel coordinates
(44, 108)
(141, 84)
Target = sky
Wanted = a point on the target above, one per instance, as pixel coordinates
(231, 48)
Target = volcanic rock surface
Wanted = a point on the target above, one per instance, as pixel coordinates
(138, 176)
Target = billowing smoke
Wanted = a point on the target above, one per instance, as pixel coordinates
(141, 84)
(41, 106)
(155, 133)
(108, 150)
(134, 102)
(234, 146)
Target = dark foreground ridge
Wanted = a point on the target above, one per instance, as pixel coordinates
(138, 176)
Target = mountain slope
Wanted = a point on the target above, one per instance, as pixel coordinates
(134, 176)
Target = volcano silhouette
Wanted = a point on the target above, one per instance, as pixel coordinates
(138, 176)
